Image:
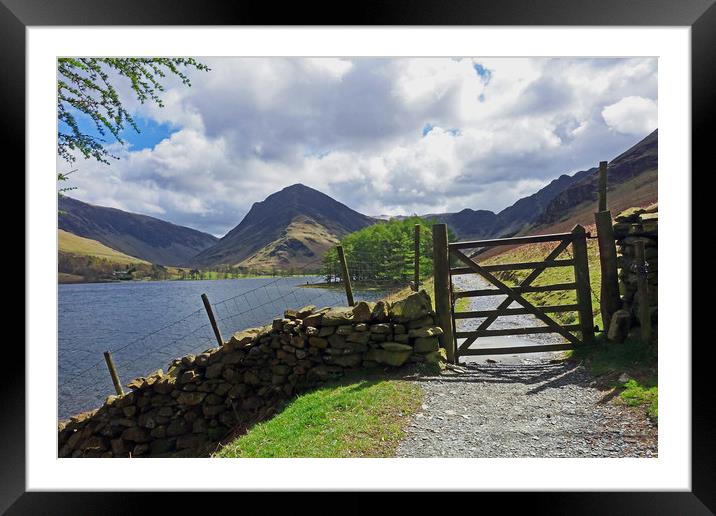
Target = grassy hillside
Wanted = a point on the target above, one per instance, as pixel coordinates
(638, 191)
(82, 260)
(301, 245)
(72, 244)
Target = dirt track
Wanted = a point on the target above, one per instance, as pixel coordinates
(529, 405)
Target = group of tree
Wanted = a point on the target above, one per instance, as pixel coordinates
(384, 253)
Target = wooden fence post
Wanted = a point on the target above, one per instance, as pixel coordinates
(212, 319)
(345, 276)
(581, 277)
(602, 192)
(642, 290)
(417, 257)
(113, 373)
(443, 297)
(609, 300)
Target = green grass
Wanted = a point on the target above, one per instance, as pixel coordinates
(362, 418)
(428, 284)
(77, 245)
(607, 361)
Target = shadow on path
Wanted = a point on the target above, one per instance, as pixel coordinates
(542, 376)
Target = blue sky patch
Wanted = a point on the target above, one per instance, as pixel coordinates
(427, 128)
(484, 74)
(151, 132)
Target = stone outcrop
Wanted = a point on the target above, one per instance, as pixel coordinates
(631, 226)
(202, 399)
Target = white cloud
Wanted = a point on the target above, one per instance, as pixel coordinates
(631, 115)
(353, 128)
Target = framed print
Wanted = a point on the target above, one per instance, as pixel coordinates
(410, 248)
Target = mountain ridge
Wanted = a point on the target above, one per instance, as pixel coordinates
(267, 222)
(148, 238)
(556, 199)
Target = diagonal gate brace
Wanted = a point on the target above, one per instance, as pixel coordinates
(513, 296)
(532, 276)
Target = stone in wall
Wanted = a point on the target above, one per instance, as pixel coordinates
(203, 399)
(631, 226)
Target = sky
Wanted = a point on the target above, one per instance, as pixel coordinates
(385, 136)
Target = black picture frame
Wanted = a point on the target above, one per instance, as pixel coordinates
(700, 15)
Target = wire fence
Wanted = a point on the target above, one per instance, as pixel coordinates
(84, 381)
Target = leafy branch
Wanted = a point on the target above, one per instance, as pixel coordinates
(84, 85)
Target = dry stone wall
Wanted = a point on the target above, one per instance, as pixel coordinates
(202, 399)
(631, 226)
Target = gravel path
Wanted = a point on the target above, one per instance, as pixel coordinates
(530, 405)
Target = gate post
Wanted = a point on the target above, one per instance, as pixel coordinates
(609, 299)
(441, 277)
(581, 277)
(602, 187)
(417, 257)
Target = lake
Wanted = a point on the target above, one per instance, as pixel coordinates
(147, 324)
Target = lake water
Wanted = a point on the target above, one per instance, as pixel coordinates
(147, 324)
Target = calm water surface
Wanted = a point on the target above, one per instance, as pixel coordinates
(137, 321)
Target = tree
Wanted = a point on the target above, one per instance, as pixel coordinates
(384, 253)
(85, 87)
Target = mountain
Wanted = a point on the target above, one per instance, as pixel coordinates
(513, 219)
(144, 237)
(468, 224)
(632, 178)
(636, 161)
(290, 228)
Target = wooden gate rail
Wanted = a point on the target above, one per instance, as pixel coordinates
(517, 349)
(495, 292)
(513, 266)
(554, 237)
(514, 311)
(577, 238)
(528, 330)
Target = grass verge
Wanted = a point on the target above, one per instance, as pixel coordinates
(353, 418)
(628, 369)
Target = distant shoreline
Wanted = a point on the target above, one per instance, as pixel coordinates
(356, 285)
(73, 279)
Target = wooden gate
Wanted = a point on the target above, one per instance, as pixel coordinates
(446, 296)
